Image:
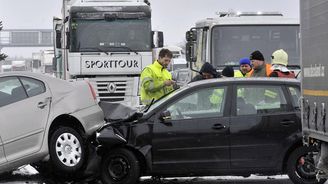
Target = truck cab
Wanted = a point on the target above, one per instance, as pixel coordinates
(107, 42)
(225, 39)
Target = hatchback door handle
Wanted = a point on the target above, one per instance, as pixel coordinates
(218, 126)
(287, 122)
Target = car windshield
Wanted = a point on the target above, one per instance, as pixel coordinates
(243, 40)
(163, 99)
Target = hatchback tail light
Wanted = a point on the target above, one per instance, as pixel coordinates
(93, 92)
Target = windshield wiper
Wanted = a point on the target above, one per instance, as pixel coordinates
(102, 50)
(88, 49)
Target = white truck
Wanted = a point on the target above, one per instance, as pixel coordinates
(46, 58)
(18, 65)
(36, 62)
(107, 42)
(42, 62)
(6, 68)
(225, 39)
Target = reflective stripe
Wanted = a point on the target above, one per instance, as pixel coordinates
(151, 84)
(270, 94)
(311, 92)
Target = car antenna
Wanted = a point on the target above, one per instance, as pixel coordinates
(151, 103)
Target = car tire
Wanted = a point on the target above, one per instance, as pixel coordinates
(301, 168)
(120, 166)
(67, 150)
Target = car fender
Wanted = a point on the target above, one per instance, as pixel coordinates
(110, 137)
(291, 143)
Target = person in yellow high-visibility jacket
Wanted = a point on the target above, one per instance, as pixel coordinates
(156, 80)
(244, 68)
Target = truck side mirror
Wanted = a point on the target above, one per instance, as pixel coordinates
(191, 36)
(58, 40)
(67, 40)
(190, 52)
(54, 64)
(158, 39)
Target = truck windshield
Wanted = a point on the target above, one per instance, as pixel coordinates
(231, 43)
(114, 35)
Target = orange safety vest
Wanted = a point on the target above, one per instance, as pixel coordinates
(268, 71)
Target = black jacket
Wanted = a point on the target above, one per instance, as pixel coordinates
(207, 68)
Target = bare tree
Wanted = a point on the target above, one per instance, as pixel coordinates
(2, 56)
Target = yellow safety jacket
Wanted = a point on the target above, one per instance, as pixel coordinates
(238, 74)
(152, 83)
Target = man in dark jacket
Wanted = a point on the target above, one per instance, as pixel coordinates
(206, 72)
(260, 68)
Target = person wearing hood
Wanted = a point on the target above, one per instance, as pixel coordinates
(228, 71)
(206, 72)
(279, 62)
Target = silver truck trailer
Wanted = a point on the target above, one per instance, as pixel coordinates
(314, 55)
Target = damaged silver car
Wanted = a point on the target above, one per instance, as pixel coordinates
(46, 119)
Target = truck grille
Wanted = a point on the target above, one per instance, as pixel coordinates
(114, 89)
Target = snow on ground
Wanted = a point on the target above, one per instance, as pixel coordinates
(25, 170)
(33, 178)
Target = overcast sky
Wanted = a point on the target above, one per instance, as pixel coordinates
(173, 17)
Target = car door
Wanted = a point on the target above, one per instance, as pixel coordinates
(24, 115)
(261, 126)
(193, 135)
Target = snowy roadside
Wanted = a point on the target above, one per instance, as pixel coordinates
(27, 174)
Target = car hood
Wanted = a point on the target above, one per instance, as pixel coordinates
(117, 112)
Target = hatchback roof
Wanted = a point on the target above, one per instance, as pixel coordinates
(272, 80)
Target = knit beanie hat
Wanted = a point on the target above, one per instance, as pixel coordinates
(256, 55)
(245, 61)
(228, 71)
(279, 57)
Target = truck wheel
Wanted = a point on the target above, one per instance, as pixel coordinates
(67, 150)
(120, 166)
(301, 166)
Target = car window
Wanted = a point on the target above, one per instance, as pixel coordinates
(199, 104)
(295, 94)
(33, 87)
(260, 99)
(11, 90)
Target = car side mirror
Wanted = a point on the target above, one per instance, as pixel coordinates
(165, 115)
